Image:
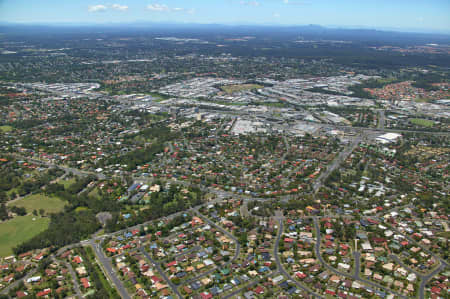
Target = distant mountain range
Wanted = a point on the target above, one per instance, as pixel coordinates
(307, 31)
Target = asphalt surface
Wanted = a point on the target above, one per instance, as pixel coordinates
(357, 257)
(75, 281)
(426, 278)
(109, 270)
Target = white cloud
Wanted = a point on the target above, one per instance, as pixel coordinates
(158, 7)
(96, 8)
(250, 3)
(164, 8)
(119, 7)
(276, 15)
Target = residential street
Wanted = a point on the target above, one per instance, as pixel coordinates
(161, 272)
(74, 280)
(110, 272)
(280, 265)
(352, 276)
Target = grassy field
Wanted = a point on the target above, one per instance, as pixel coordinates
(422, 122)
(80, 209)
(67, 183)
(5, 129)
(239, 87)
(40, 201)
(15, 231)
(94, 193)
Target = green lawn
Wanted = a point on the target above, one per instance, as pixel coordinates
(67, 183)
(422, 122)
(5, 129)
(94, 193)
(40, 201)
(80, 209)
(22, 228)
(239, 87)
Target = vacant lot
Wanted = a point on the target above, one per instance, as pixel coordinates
(40, 201)
(15, 231)
(240, 87)
(5, 129)
(422, 122)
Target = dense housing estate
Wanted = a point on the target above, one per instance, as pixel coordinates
(154, 166)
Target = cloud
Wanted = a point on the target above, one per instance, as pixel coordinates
(96, 8)
(158, 7)
(250, 3)
(294, 2)
(276, 15)
(119, 7)
(164, 8)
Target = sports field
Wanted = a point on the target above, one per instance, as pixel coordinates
(40, 201)
(22, 228)
(5, 129)
(239, 87)
(422, 122)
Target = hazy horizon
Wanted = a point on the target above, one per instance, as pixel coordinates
(141, 23)
(400, 15)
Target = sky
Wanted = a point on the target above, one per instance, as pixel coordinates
(423, 15)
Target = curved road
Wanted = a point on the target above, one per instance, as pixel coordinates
(354, 276)
(280, 266)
